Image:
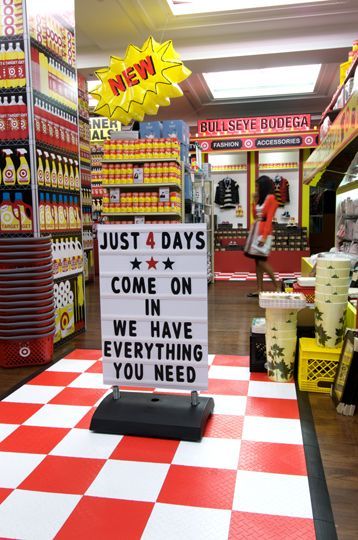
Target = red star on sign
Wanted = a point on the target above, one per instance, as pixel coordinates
(152, 263)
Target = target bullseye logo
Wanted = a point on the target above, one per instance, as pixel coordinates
(65, 319)
(248, 143)
(309, 139)
(25, 352)
(204, 145)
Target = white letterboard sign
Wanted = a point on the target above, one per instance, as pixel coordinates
(154, 305)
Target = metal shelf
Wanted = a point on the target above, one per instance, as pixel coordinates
(134, 214)
(141, 185)
(143, 160)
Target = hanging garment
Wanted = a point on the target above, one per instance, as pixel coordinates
(227, 193)
(282, 192)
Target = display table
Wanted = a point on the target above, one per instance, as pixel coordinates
(236, 261)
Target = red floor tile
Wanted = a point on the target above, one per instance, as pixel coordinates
(247, 526)
(33, 439)
(226, 387)
(63, 475)
(78, 396)
(272, 457)
(198, 486)
(4, 492)
(95, 368)
(275, 408)
(54, 378)
(224, 426)
(84, 423)
(85, 354)
(17, 413)
(145, 449)
(259, 377)
(230, 360)
(96, 518)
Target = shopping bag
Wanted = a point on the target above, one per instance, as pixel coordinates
(252, 246)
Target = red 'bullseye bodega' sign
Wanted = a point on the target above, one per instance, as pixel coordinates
(254, 125)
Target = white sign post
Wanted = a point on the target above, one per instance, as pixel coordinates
(153, 286)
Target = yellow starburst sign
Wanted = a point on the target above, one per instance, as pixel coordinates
(141, 82)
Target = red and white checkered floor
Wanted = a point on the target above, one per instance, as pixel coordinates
(247, 276)
(246, 479)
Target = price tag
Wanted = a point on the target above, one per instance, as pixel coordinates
(164, 194)
(139, 219)
(138, 175)
(115, 195)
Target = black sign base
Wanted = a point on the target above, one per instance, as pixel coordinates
(153, 415)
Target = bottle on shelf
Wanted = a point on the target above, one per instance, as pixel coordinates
(71, 175)
(60, 180)
(25, 213)
(9, 176)
(40, 169)
(10, 220)
(42, 212)
(49, 222)
(47, 170)
(23, 170)
(54, 179)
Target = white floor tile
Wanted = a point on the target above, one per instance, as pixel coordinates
(211, 358)
(66, 416)
(210, 452)
(174, 522)
(6, 429)
(276, 430)
(272, 390)
(129, 480)
(34, 515)
(31, 393)
(72, 366)
(235, 405)
(267, 493)
(89, 380)
(229, 373)
(15, 467)
(85, 444)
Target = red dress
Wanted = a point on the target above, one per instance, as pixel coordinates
(261, 228)
(265, 214)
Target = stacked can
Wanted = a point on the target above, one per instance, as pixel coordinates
(331, 299)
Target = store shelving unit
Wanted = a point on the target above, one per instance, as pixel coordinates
(85, 169)
(203, 211)
(40, 158)
(138, 196)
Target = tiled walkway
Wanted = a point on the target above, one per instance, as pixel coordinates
(246, 479)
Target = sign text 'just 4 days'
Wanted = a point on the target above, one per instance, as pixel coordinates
(153, 281)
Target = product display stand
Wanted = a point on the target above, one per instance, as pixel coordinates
(281, 332)
(85, 169)
(39, 160)
(203, 211)
(130, 169)
(153, 415)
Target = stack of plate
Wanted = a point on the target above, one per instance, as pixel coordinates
(331, 297)
(27, 314)
(281, 332)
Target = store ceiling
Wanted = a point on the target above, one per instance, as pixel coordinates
(309, 33)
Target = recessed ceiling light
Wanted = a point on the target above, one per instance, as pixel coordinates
(208, 6)
(277, 81)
